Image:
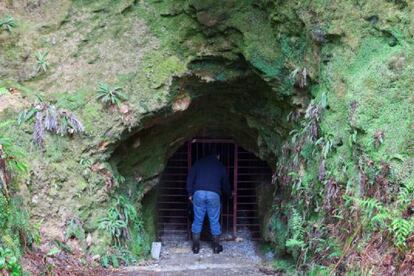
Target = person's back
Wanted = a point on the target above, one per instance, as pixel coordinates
(208, 174)
(205, 182)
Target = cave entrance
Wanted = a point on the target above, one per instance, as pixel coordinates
(246, 172)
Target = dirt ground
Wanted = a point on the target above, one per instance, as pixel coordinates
(240, 257)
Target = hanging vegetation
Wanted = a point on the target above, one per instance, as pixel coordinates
(49, 118)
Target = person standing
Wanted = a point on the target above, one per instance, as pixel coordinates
(205, 183)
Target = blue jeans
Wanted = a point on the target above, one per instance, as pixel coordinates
(206, 201)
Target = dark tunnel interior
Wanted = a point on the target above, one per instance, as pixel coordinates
(239, 213)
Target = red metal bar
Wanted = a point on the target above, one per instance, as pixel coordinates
(235, 176)
(212, 141)
(189, 161)
(227, 147)
(241, 165)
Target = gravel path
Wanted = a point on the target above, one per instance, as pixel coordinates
(238, 258)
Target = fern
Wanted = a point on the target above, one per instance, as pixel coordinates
(293, 243)
(110, 95)
(119, 218)
(113, 224)
(369, 206)
(295, 225)
(128, 210)
(406, 193)
(326, 143)
(401, 229)
(51, 119)
(381, 218)
(9, 152)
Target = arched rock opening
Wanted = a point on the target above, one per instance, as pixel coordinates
(218, 98)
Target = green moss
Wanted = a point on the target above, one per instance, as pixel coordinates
(159, 68)
(364, 68)
(72, 100)
(149, 211)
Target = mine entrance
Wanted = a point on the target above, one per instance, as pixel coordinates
(240, 213)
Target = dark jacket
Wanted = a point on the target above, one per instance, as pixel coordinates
(208, 174)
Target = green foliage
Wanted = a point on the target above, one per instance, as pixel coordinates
(114, 224)
(138, 241)
(9, 262)
(12, 154)
(120, 216)
(42, 63)
(401, 229)
(118, 256)
(20, 223)
(326, 143)
(3, 90)
(319, 270)
(369, 206)
(295, 241)
(110, 95)
(126, 229)
(406, 193)
(15, 232)
(279, 229)
(380, 217)
(307, 151)
(53, 251)
(75, 230)
(7, 23)
(284, 266)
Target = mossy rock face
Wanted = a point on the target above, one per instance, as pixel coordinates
(249, 70)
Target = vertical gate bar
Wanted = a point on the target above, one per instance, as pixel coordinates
(235, 176)
(189, 161)
(227, 148)
(222, 219)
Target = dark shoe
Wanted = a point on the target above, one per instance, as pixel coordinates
(217, 247)
(196, 243)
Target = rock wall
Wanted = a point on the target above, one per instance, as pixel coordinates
(322, 90)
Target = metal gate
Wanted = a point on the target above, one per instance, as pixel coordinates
(238, 213)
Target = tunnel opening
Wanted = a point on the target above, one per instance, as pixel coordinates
(234, 108)
(240, 214)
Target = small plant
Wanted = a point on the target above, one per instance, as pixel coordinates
(113, 224)
(296, 233)
(7, 23)
(49, 118)
(406, 193)
(42, 64)
(300, 76)
(326, 144)
(401, 229)
(86, 163)
(378, 138)
(75, 230)
(10, 153)
(10, 156)
(119, 217)
(117, 256)
(380, 217)
(9, 262)
(3, 90)
(123, 224)
(110, 95)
